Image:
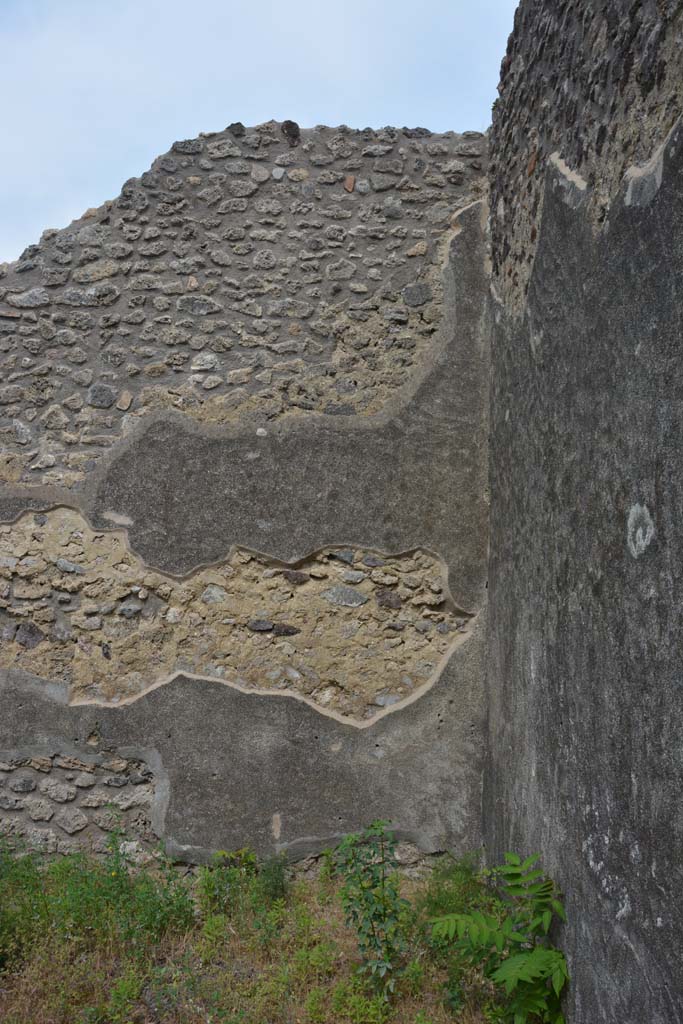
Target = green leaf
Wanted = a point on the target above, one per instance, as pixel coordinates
(559, 909)
(532, 876)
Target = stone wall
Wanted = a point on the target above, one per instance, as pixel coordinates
(56, 802)
(243, 529)
(248, 275)
(585, 701)
(596, 81)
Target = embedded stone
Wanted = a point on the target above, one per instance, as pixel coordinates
(130, 608)
(382, 182)
(84, 780)
(204, 361)
(213, 594)
(22, 784)
(101, 396)
(345, 597)
(29, 635)
(219, 149)
(188, 147)
(388, 599)
(284, 629)
(416, 294)
(64, 565)
(198, 305)
(344, 555)
(97, 271)
(342, 270)
(71, 820)
(295, 576)
(354, 576)
(39, 810)
(31, 299)
(10, 394)
(60, 792)
(10, 803)
(98, 295)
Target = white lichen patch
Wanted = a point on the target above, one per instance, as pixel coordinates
(352, 630)
(640, 529)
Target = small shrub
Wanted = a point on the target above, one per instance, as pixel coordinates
(511, 944)
(454, 887)
(370, 898)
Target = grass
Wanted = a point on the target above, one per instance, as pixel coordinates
(94, 942)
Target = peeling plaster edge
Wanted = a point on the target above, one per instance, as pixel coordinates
(572, 176)
(122, 533)
(641, 182)
(638, 186)
(293, 694)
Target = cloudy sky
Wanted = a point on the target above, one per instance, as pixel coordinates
(93, 90)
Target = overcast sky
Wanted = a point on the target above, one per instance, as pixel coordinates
(93, 90)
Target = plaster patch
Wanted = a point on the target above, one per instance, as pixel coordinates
(572, 184)
(642, 181)
(640, 530)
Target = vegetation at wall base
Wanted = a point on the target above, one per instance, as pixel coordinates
(242, 941)
(510, 943)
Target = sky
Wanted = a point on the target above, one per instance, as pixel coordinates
(94, 90)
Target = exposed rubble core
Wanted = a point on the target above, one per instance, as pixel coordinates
(60, 803)
(250, 274)
(355, 631)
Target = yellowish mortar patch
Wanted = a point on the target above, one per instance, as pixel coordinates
(352, 630)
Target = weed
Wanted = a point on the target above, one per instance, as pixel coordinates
(101, 942)
(511, 944)
(370, 897)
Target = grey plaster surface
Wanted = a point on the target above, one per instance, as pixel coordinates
(273, 772)
(414, 476)
(585, 698)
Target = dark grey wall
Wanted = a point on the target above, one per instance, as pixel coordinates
(585, 688)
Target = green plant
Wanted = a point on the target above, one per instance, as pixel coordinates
(413, 977)
(371, 901)
(224, 885)
(326, 876)
(315, 961)
(510, 944)
(350, 1003)
(268, 922)
(272, 878)
(315, 1006)
(454, 887)
(80, 901)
